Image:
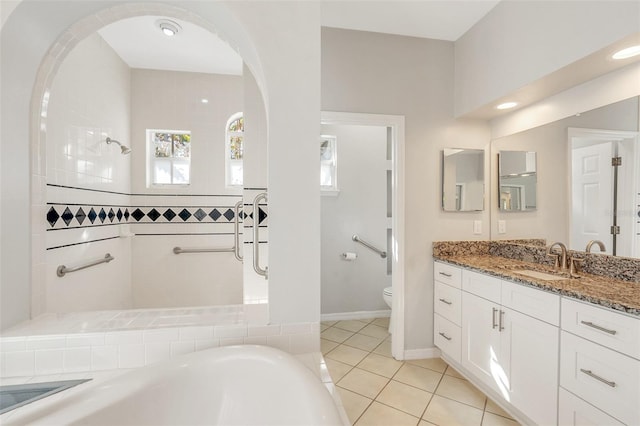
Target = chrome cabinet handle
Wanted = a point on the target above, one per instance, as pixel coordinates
(445, 336)
(446, 275)
(256, 235)
(236, 231)
(445, 301)
(501, 326)
(493, 318)
(598, 327)
(600, 379)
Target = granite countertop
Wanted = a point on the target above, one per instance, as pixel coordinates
(601, 290)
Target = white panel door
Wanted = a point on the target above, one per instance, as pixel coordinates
(592, 195)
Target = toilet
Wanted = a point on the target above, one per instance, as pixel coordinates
(386, 295)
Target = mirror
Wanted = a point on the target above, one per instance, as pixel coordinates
(577, 190)
(517, 180)
(462, 180)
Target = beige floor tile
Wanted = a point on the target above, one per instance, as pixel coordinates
(336, 334)
(380, 415)
(382, 322)
(384, 348)
(354, 404)
(435, 364)
(491, 419)
(337, 369)
(462, 391)
(443, 411)
(419, 377)
(375, 331)
(328, 323)
(360, 341)
(347, 354)
(494, 408)
(453, 372)
(351, 325)
(405, 398)
(381, 365)
(363, 382)
(323, 327)
(425, 423)
(327, 346)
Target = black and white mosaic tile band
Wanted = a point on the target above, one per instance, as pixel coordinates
(61, 216)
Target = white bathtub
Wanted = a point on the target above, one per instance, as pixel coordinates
(234, 385)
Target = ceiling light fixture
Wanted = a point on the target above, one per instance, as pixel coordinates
(627, 53)
(204, 100)
(168, 28)
(507, 105)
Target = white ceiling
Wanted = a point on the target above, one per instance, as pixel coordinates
(141, 44)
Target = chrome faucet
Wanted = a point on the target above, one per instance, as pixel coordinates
(592, 242)
(562, 261)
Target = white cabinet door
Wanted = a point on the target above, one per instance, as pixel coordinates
(481, 339)
(573, 411)
(529, 357)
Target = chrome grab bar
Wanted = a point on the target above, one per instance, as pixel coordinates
(256, 235)
(236, 231)
(180, 250)
(383, 254)
(62, 270)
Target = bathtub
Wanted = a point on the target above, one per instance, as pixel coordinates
(233, 385)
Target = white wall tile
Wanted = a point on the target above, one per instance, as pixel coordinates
(12, 344)
(207, 344)
(85, 339)
(131, 356)
(20, 363)
(196, 333)
(161, 335)
(155, 352)
(229, 341)
(77, 359)
(124, 338)
(46, 342)
(49, 361)
(104, 357)
(264, 330)
(183, 347)
(296, 328)
(279, 342)
(255, 340)
(222, 332)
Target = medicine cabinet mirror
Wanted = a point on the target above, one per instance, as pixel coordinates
(462, 180)
(517, 180)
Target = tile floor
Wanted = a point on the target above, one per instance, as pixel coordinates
(378, 390)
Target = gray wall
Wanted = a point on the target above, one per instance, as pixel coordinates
(385, 74)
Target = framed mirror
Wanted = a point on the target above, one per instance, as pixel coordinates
(517, 180)
(462, 180)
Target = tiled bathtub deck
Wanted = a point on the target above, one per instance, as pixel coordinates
(377, 390)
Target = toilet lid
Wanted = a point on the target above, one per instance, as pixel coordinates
(388, 291)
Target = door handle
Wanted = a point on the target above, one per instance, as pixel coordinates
(494, 324)
(236, 231)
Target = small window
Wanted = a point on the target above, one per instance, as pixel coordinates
(328, 163)
(169, 157)
(234, 150)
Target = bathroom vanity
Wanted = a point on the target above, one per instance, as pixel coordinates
(550, 349)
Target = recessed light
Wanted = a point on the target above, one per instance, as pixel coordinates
(204, 100)
(627, 53)
(507, 105)
(168, 28)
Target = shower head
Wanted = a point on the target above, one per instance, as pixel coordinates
(123, 149)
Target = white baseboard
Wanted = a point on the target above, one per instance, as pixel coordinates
(422, 353)
(343, 316)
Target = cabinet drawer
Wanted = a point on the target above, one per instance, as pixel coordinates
(572, 411)
(613, 330)
(481, 285)
(606, 379)
(533, 302)
(447, 302)
(447, 274)
(446, 336)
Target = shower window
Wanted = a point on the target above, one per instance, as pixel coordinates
(328, 163)
(234, 150)
(169, 157)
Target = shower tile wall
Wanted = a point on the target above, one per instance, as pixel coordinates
(93, 199)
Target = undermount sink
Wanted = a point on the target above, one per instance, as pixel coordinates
(539, 275)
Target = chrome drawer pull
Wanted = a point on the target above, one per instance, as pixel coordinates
(595, 376)
(597, 327)
(501, 326)
(444, 335)
(493, 318)
(445, 301)
(446, 275)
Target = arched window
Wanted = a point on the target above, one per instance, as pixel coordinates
(234, 149)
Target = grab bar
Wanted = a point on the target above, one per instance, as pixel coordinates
(236, 231)
(179, 250)
(256, 235)
(383, 254)
(62, 270)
